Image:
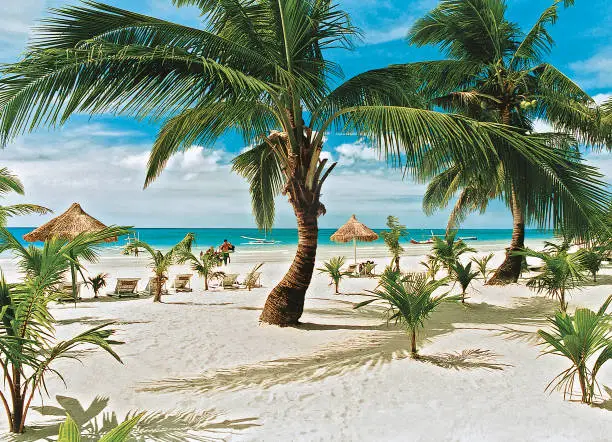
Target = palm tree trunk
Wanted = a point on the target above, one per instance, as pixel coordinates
(18, 400)
(158, 290)
(285, 302)
(397, 263)
(337, 285)
(510, 270)
(413, 347)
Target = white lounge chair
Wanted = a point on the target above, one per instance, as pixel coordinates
(252, 280)
(65, 292)
(125, 288)
(230, 281)
(182, 282)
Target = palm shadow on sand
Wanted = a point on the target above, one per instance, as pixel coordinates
(383, 345)
(94, 422)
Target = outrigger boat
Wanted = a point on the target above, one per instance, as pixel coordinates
(256, 241)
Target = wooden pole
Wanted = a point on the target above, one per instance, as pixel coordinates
(355, 249)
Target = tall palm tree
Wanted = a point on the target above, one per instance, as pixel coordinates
(495, 72)
(256, 67)
(9, 182)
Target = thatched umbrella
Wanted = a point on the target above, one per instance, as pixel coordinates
(354, 231)
(68, 226)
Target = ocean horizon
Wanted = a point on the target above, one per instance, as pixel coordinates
(205, 237)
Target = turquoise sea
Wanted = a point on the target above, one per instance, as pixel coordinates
(165, 238)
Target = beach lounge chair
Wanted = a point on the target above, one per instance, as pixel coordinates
(252, 280)
(125, 288)
(182, 283)
(230, 281)
(65, 292)
(151, 287)
(367, 269)
(351, 269)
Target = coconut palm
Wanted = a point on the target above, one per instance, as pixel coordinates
(447, 250)
(256, 67)
(433, 266)
(97, 282)
(11, 183)
(496, 72)
(204, 266)
(580, 338)
(27, 335)
(392, 239)
(562, 272)
(333, 268)
(482, 264)
(463, 275)
(410, 300)
(161, 262)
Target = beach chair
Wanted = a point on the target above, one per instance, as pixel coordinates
(151, 287)
(252, 280)
(351, 269)
(125, 288)
(367, 270)
(230, 281)
(182, 283)
(65, 292)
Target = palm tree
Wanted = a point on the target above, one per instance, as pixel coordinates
(97, 282)
(579, 338)
(27, 335)
(11, 183)
(410, 300)
(447, 250)
(482, 264)
(561, 273)
(333, 268)
(257, 67)
(464, 276)
(159, 262)
(433, 266)
(204, 266)
(591, 259)
(392, 238)
(69, 431)
(495, 72)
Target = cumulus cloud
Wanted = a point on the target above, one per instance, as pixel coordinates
(349, 153)
(596, 71)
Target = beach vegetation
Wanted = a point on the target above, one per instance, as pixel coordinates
(69, 431)
(463, 275)
(432, 266)
(591, 259)
(205, 266)
(258, 68)
(333, 268)
(28, 345)
(97, 282)
(561, 272)
(585, 339)
(160, 262)
(448, 249)
(496, 72)
(392, 238)
(410, 301)
(482, 264)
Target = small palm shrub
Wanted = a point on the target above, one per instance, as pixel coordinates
(464, 276)
(333, 268)
(410, 300)
(447, 250)
(97, 282)
(392, 238)
(204, 266)
(160, 262)
(591, 261)
(482, 264)
(561, 273)
(70, 432)
(581, 337)
(433, 266)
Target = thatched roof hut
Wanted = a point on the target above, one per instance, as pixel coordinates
(354, 231)
(67, 226)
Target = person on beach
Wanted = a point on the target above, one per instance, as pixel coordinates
(225, 249)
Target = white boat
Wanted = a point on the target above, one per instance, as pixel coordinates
(256, 241)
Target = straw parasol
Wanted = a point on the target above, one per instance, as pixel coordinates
(354, 231)
(68, 226)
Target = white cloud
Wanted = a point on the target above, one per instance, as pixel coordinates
(376, 36)
(596, 71)
(358, 151)
(601, 98)
(542, 126)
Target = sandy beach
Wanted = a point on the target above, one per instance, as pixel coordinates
(204, 365)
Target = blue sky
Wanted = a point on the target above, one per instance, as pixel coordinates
(100, 161)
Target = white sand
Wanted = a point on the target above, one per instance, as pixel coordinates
(344, 375)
